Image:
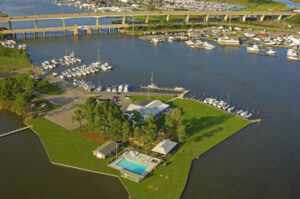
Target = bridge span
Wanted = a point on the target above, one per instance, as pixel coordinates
(207, 15)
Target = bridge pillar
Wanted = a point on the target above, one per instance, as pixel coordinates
(225, 17)
(44, 34)
(279, 17)
(244, 18)
(123, 20)
(147, 19)
(35, 35)
(108, 31)
(207, 18)
(24, 35)
(9, 25)
(75, 30)
(97, 21)
(187, 19)
(262, 18)
(168, 18)
(63, 22)
(89, 31)
(35, 24)
(54, 34)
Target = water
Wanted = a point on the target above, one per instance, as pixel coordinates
(132, 166)
(262, 161)
(289, 4)
(27, 173)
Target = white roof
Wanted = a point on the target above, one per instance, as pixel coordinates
(153, 108)
(164, 147)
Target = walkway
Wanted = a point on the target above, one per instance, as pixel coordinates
(14, 131)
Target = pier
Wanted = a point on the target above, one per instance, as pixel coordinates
(14, 131)
(162, 89)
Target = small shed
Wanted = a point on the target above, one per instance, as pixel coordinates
(106, 149)
(164, 147)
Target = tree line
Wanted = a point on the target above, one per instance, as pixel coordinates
(16, 92)
(107, 119)
(14, 53)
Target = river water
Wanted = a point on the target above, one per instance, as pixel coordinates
(261, 162)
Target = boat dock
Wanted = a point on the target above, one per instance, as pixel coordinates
(14, 131)
(162, 89)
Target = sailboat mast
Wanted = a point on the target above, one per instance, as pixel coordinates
(152, 78)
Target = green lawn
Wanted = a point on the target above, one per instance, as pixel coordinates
(45, 87)
(294, 20)
(139, 98)
(205, 126)
(11, 64)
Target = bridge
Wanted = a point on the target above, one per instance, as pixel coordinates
(206, 15)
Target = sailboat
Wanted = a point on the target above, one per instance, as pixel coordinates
(152, 85)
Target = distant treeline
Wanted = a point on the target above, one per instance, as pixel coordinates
(260, 1)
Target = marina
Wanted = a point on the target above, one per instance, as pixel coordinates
(256, 158)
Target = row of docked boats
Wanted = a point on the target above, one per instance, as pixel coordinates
(8, 43)
(200, 44)
(118, 89)
(292, 54)
(258, 50)
(69, 60)
(83, 71)
(220, 104)
(91, 87)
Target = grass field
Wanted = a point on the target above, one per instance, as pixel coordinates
(205, 127)
(45, 87)
(294, 20)
(11, 64)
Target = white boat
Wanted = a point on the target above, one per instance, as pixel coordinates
(108, 89)
(120, 88)
(126, 88)
(177, 88)
(208, 46)
(244, 113)
(253, 49)
(152, 85)
(114, 89)
(271, 52)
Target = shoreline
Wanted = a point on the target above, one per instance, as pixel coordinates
(133, 186)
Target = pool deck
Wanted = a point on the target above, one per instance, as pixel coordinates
(137, 157)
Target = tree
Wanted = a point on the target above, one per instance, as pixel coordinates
(77, 116)
(89, 116)
(150, 131)
(22, 99)
(5, 88)
(137, 118)
(137, 133)
(174, 124)
(125, 130)
(90, 100)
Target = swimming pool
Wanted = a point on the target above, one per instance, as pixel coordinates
(131, 166)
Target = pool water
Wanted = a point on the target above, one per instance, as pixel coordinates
(131, 166)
